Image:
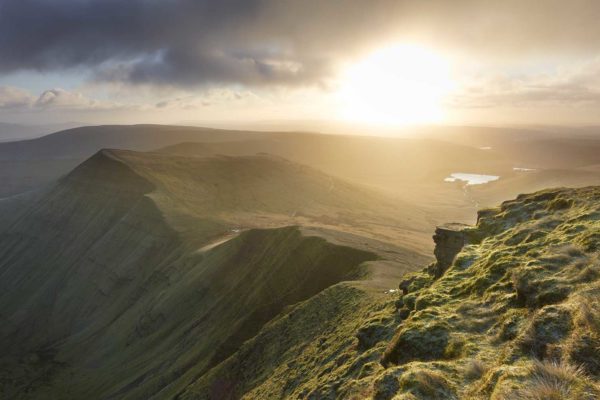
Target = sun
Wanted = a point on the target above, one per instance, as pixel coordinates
(395, 86)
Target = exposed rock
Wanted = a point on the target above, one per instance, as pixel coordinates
(449, 240)
(405, 284)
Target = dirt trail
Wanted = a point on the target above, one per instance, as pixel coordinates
(221, 240)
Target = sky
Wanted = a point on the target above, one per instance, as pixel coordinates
(383, 63)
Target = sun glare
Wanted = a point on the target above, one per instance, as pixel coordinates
(395, 86)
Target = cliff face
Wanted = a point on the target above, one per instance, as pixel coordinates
(449, 240)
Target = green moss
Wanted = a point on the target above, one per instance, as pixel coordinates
(548, 326)
(415, 281)
(427, 384)
(560, 204)
(386, 386)
(426, 340)
(455, 347)
(409, 300)
(373, 332)
(510, 324)
(511, 297)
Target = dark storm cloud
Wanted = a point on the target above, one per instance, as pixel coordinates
(259, 42)
(171, 42)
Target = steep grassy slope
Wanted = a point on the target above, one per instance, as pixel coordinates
(128, 280)
(514, 316)
(309, 352)
(267, 191)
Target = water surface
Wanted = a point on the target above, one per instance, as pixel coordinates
(471, 179)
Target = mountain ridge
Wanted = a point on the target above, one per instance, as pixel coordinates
(97, 275)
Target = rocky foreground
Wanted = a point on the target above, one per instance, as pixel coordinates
(516, 315)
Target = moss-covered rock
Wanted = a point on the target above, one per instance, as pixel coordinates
(523, 289)
(424, 341)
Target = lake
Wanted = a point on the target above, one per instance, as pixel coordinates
(471, 179)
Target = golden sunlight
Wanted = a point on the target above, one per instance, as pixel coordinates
(395, 86)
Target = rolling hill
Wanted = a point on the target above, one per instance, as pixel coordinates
(15, 132)
(34, 163)
(412, 168)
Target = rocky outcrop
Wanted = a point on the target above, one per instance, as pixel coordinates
(514, 315)
(449, 240)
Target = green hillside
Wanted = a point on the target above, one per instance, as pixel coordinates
(157, 276)
(513, 317)
(137, 273)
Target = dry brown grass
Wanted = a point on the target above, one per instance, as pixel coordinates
(552, 381)
(588, 315)
(433, 385)
(475, 369)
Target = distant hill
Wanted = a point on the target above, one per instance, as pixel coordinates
(83, 142)
(31, 164)
(15, 132)
(224, 187)
(379, 161)
(414, 168)
(411, 169)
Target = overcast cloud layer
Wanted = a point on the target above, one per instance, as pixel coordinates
(265, 42)
(179, 60)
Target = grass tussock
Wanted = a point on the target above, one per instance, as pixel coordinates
(475, 369)
(427, 384)
(583, 348)
(588, 315)
(556, 381)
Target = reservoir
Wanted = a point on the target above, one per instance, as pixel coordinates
(471, 179)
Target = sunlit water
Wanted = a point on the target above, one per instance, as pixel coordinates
(471, 179)
(519, 169)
